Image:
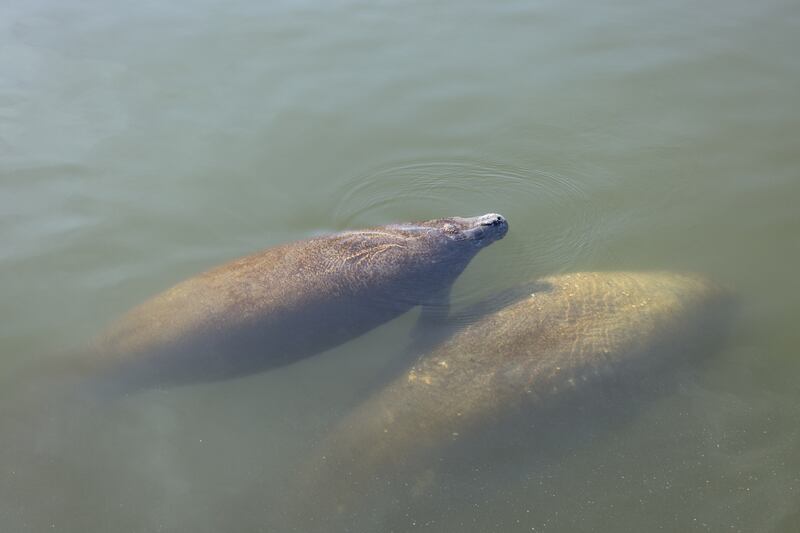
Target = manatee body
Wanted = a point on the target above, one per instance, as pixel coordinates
(561, 336)
(290, 301)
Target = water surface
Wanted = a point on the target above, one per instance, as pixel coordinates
(141, 143)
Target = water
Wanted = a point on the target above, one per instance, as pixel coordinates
(143, 142)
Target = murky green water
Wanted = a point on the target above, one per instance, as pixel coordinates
(143, 142)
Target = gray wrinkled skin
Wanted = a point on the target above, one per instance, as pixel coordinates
(291, 301)
(563, 336)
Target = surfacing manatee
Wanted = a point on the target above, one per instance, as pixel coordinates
(560, 338)
(291, 301)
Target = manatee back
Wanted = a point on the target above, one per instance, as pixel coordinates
(555, 339)
(561, 334)
(563, 330)
(277, 306)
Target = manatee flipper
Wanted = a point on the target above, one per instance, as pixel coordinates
(437, 321)
(432, 319)
(431, 328)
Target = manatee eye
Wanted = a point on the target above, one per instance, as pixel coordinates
(478, 233)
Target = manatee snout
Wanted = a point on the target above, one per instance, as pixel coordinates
(493, 220)
(485, 229)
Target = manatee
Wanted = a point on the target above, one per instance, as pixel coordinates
(557, 339)
(290, 301)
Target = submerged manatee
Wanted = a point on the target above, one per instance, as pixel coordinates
(559, 338)
(290, 301)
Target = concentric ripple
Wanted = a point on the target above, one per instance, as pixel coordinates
(550, 215)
